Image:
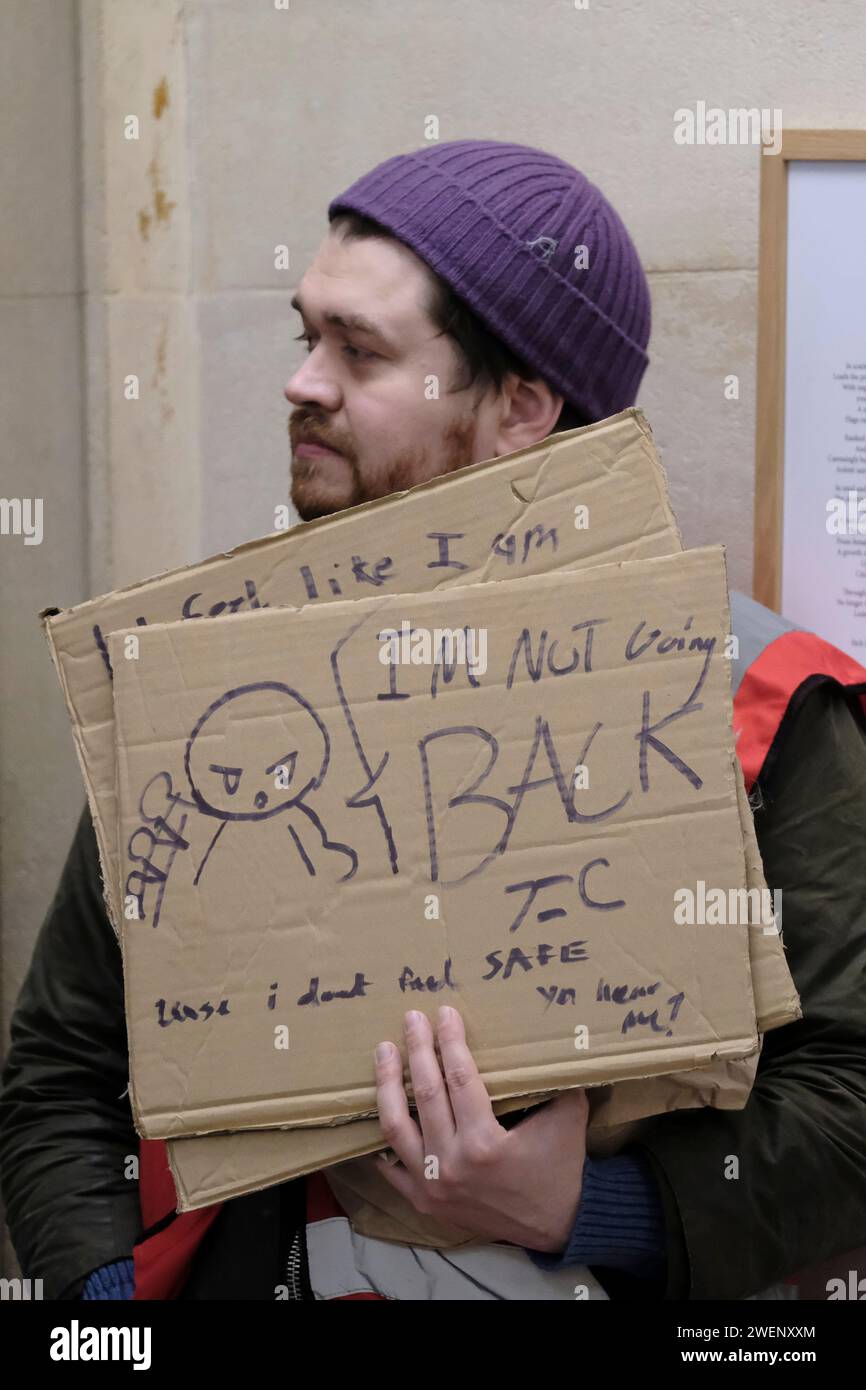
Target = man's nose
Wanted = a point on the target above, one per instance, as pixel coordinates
(313, 384)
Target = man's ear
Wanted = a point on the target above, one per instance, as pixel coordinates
(529, 409)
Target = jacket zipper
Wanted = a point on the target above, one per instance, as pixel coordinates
(294, 1280)
(297, 1272)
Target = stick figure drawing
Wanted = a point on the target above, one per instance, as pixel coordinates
(231, 781)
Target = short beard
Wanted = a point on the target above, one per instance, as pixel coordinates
(408, 469)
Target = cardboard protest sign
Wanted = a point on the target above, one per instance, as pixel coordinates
(615, 464)
(460, 792)
(594, 493)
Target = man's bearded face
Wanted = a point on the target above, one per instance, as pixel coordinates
(374, 409)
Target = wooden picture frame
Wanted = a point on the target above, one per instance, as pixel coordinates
(821, 145)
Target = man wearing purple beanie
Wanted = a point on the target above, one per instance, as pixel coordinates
(493, 294)
(468, 300)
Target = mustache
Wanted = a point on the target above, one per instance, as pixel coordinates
(306, 428)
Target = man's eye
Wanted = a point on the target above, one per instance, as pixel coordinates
(356, 354)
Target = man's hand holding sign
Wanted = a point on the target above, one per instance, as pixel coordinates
(485, 1177)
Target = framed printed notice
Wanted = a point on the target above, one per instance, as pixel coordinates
(810, 476)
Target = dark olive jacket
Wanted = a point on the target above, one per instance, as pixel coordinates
(66, 1133)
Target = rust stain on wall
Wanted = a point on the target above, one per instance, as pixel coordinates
(162, 207)
(160, 98)
(161, 345)
(158, 380)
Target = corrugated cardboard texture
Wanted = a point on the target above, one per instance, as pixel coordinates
(461, 787)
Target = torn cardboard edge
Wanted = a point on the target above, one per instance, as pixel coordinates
(218, 1167)
(566, 1076)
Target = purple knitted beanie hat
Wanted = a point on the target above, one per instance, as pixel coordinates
(504, 225)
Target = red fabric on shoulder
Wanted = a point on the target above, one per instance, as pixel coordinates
(156, 1192)
(771, 681)
(321, 1202)
(163, 1260)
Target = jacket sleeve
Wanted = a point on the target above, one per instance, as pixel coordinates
(620, 1221)
(800, 1142)
(66, 1132)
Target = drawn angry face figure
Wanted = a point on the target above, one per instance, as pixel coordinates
(229, 774)
(257, 751)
